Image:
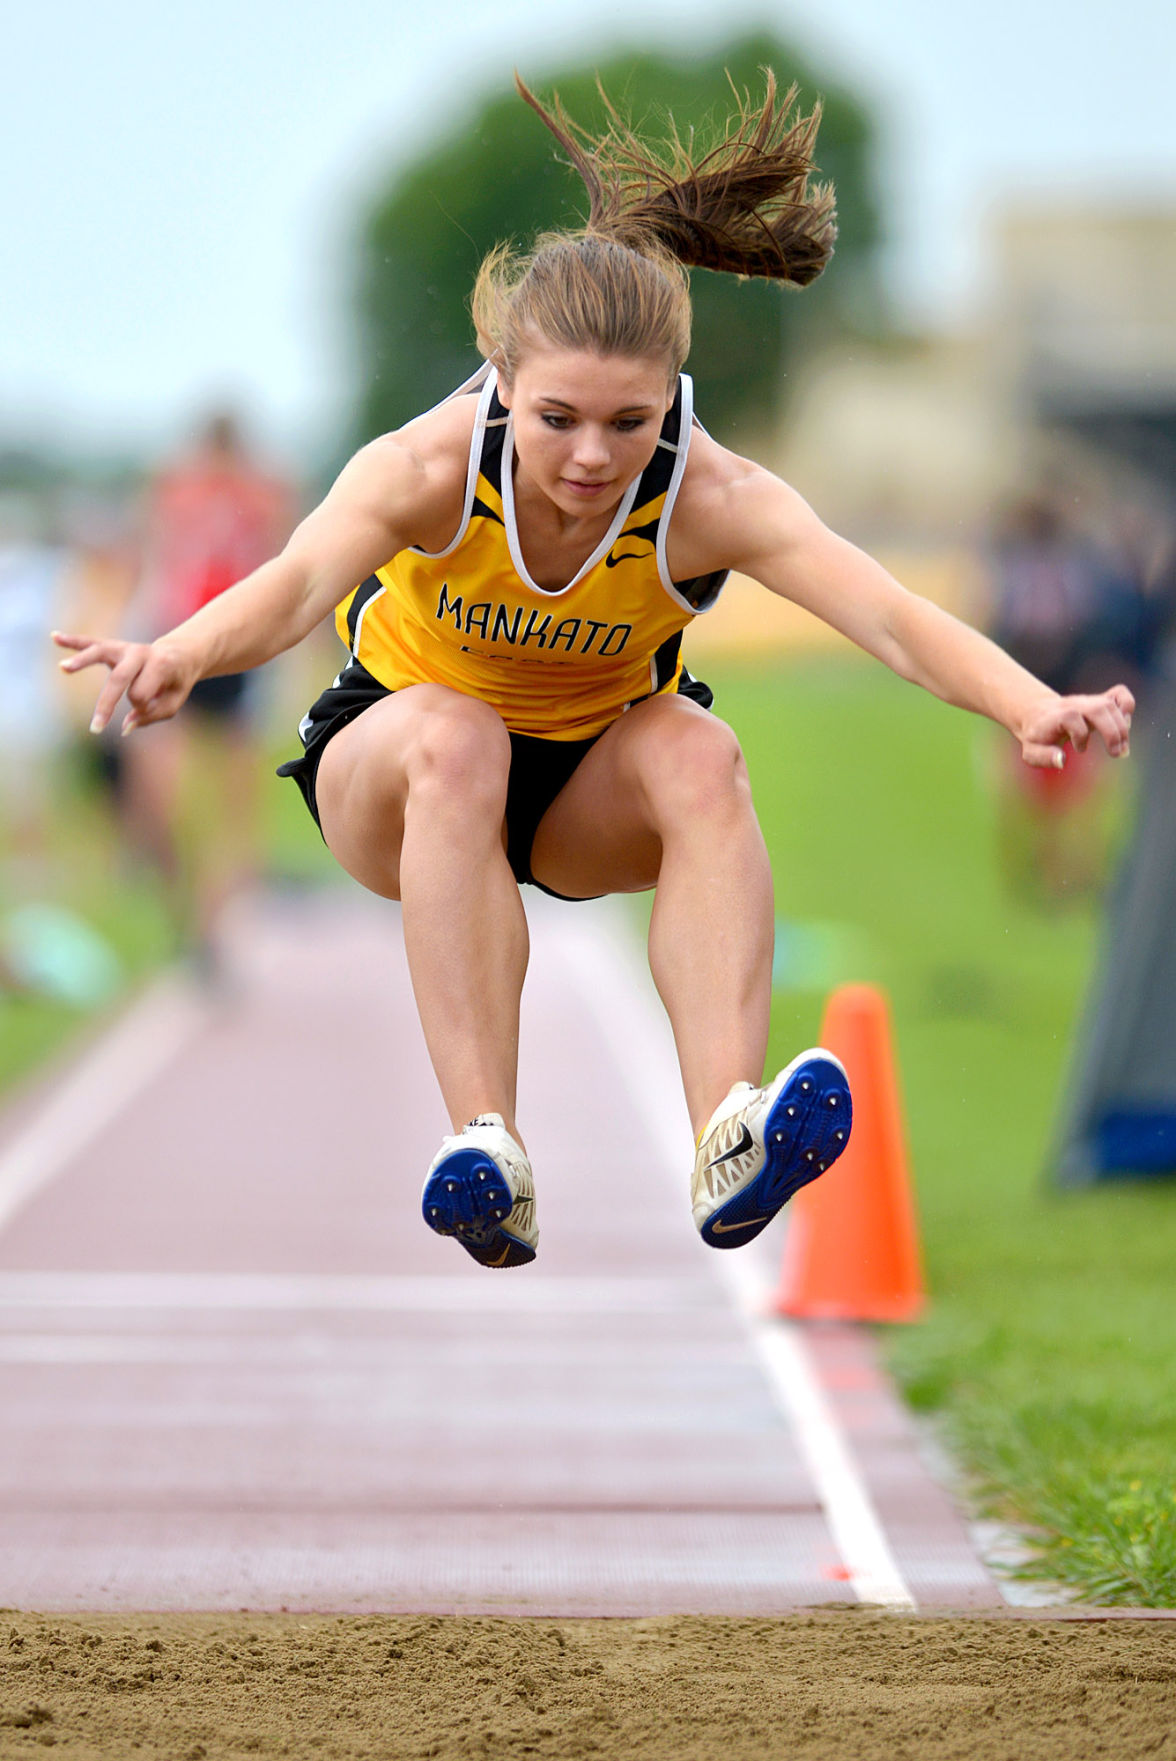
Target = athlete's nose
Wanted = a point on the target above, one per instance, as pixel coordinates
(591, 451)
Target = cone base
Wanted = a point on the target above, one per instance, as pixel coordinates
(794, 1309)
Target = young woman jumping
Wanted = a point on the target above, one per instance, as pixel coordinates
(514, 708)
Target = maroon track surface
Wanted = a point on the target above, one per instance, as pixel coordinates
(238, 1371)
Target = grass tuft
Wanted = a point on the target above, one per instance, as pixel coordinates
(1110, 1539)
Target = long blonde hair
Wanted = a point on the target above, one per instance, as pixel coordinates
(619, 286)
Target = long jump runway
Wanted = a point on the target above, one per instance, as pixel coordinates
(237, 1371)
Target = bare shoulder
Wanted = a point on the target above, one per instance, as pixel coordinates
(416, 474)
(728, 508)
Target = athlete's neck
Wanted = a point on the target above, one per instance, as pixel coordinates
(541, 519)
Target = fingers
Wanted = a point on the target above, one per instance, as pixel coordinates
(1072, 721)
(1041, 756)
(1110, 717)
(90, 651)
(148, 705)
(122, 675)
(134, 671)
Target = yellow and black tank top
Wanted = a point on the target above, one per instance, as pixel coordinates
(561, 664)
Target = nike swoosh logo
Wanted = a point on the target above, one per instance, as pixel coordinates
(611, 561)
(746, 1142)
(730, 1228)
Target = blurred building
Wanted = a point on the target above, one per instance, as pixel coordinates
(1072, 367)
(906, 438)
(1086, 327)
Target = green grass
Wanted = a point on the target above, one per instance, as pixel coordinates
(1048, 1347)
(87, 876)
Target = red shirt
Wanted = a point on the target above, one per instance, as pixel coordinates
(213, 521)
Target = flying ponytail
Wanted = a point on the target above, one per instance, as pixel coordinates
(744, 207)
(618, 286)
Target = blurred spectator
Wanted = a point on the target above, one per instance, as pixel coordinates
(1119, 1118)
(211, 517)
(99, 584)
(32, 727)
(1046, 588)
(1076, 610)
(45, 947)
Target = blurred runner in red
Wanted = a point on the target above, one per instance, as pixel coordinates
(212, 517)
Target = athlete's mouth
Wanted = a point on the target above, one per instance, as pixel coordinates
(578, 487)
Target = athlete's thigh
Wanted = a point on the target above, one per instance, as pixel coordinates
(600, 833)
(363, 779)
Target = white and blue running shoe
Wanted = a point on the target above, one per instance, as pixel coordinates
(761, 1145)
(479, 1189)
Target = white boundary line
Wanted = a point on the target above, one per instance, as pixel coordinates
(603, 970)
(128, 1057)
(853, 1522)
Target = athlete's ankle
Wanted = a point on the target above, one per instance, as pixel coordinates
(496, 1115)
(730, 1097)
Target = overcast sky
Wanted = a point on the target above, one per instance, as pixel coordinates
(181, 180)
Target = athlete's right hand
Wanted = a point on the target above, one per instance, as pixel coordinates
(154, 677)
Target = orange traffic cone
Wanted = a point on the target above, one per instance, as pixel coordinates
(851, 1252)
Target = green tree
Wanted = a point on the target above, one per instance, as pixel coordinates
(498, 176)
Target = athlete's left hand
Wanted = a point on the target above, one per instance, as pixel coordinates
(1070, 721)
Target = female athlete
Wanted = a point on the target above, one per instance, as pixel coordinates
(514, 708)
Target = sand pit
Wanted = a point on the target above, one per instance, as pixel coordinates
(831, 1684)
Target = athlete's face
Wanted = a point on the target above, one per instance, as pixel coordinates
(585, 425)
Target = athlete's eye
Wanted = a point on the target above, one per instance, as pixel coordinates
(629, 424)
(554, 420)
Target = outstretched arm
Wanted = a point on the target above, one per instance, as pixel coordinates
(373, 510)
(774, 536)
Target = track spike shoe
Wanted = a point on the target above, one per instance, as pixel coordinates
(479, 1189)
(761, 1145)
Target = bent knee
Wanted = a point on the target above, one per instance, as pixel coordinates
(694, 765)
(458, 749)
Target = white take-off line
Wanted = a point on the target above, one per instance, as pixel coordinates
(99, 1088)
(599, 954)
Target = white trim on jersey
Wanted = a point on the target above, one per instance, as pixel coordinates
(685, 427)
(512, 530)
(363, 612)
(488, 379)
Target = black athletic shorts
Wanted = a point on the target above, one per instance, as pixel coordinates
(223, 699)
(538, 768)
